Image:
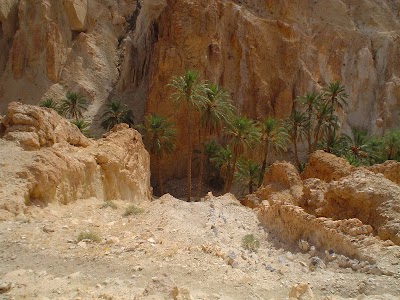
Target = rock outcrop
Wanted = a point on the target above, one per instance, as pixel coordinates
(60, 169)
(368, 197)
(326, 166)
(34, 127)
(350, 211)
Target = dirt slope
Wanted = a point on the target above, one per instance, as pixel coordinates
(173, 250)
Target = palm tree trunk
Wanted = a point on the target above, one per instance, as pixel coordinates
(201, 172)
(316, 136)
(251, 187)
(160, 182)
(309, 138)
(230, 182)
(264, 167)
(309, 142)
(189, 169)
(296, 154)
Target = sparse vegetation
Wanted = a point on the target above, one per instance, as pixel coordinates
(49, 103)
(73, 106)
(133, 210)
(109, 203)
(88, 235)
(115, 113)
(250, 242)
(82, 125)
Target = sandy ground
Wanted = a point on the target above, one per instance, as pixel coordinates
(170, 250)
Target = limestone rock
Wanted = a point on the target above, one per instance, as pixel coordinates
(301, 291)
(34, 127)
(281, 176)
(390, 169)
(114, 167)
(326, 166)
(76, 11)
(368, 197)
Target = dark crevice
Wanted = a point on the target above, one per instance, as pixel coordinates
(133, 17)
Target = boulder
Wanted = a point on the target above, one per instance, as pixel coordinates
(326, 166)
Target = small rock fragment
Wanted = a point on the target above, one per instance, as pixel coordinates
(303, 245)
(48, 229)
(5, 287)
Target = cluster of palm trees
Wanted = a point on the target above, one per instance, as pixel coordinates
(315, 121)
(223, 138)
(73, 106)
(233, 147)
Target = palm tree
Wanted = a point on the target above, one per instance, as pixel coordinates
(335, 95)
(274, 138)
(223, 160)
(311, 101)
(82, 125)
(216, 112)
(159, 138)
(73, 105)
(243, 134)
(211, 149)
(49, 103)
(247, 173)
(359, 142)
(295, 125)
(325, 120)
(391, 144)
(116, 113)
(190, 93)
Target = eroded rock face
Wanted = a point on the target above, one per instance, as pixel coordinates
(114, 167)
(34, 127)
(390, 169)
(281, 178)
(369, 197)
(326, 166)
(356, 215)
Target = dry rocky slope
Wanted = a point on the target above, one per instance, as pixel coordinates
(323, 235)
(264, 52)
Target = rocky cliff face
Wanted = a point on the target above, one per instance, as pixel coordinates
(265, 53)
(60, 165)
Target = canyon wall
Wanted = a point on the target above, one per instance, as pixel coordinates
(265, 53)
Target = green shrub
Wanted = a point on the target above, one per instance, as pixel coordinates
(109, 203)
(133, 210)
(88, 235)
(250, 242)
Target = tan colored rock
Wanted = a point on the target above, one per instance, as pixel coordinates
(313, 199)
(5, 9)
(390, 169)
(34, 127)
(281, 176)
(301, 291)
(369, 197)
(76, 11)
(114, 167)
(326, 166)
